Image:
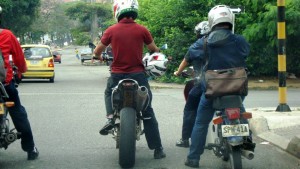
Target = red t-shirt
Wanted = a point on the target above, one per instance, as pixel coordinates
(127, 40)
(10, 45)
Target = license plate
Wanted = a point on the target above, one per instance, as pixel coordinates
(1, 108)
(34, 62)
(235, 130)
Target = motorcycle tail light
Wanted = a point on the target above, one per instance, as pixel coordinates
(9, 104)
(233, 113)
(218, 120)
(247, 115)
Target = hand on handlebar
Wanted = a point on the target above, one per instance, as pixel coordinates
(176, 73)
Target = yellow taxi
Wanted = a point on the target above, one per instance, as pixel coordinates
(40, 62)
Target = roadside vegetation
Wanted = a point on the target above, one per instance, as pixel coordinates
(170, 21)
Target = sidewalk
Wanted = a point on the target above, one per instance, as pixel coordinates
(281, 129)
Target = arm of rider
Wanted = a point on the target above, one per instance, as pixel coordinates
(18, 55)
(181, 67)
(152, 47)
(98, 51)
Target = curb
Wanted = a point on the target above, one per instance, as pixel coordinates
(161, 85)
(264, 124)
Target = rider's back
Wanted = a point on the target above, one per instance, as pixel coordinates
(226, 50)
(127, 39)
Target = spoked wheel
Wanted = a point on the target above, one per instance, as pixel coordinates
(127, 140)
(220, 150)
(235, 157)
(223, 149)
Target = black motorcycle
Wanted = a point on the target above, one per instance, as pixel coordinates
(128, 100)
(7, 136)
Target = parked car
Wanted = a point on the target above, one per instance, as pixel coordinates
(56, 56)
(86, 54)
(40, 62)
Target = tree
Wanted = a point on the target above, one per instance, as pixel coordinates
(173, 21)
(261, 31)
(87, 15)
(19, 15)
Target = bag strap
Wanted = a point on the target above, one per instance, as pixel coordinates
(206, 55)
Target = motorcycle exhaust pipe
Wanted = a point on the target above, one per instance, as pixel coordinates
(248, 154)
(142, 95)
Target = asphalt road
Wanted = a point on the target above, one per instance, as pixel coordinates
(66, 116)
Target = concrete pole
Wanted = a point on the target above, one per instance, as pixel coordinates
(281, 35)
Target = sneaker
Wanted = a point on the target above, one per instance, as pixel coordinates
(159, 153)
(32, 155)
(183, 143)
(192, 163)
(108, 126)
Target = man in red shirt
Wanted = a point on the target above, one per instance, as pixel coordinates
(9, 45)
(127, 39)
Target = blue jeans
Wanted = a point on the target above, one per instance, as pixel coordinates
(190, 111)
(18, 115)
(77, 56)
(205, 113)
(150, 125)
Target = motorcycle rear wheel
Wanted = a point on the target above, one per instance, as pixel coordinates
(235, 157)
(127, 140)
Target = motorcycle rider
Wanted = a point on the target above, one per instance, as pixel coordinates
(9, 45)
(225, 50)
(127, 39)
(193, 98)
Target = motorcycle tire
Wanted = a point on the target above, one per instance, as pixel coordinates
(235, 157)
(187, 88)
(127, 142)
(225, 150)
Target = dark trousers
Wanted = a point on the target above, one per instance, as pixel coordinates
(190, 111)
(150, 125)
(18, 115)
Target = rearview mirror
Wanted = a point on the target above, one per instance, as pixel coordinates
(164, 47)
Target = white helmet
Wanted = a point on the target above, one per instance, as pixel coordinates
(202, 28)
(155, 64)
(122, 7)
(220, 14)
